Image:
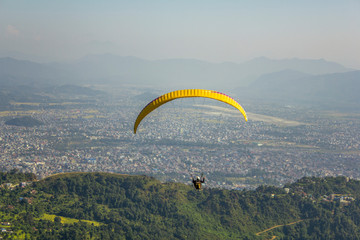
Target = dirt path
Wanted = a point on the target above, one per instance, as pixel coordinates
(277, 226)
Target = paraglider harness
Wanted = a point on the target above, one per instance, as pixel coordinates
(198, 181)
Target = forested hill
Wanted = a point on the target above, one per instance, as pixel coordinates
(114, 206)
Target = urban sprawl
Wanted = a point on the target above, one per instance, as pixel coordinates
(279, 144)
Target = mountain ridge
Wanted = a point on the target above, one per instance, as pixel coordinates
(339, 90)
(257, 78)
(163, 73)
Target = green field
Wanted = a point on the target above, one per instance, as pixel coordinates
(66, 220)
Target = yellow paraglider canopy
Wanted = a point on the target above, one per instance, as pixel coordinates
(185, 94)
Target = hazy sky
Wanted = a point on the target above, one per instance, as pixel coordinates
(222, 30)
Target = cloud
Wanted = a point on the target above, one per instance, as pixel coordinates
(12, 31)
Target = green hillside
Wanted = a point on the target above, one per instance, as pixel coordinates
(114, 206)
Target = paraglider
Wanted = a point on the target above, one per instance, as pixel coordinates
(198, 181)
(186, 93)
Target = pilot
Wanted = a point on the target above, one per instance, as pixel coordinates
(197, 182)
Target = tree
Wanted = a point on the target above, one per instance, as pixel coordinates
(57, 219)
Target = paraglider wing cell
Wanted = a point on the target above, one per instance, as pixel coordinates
(186, 93)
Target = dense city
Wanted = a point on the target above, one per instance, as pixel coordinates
(279, 144)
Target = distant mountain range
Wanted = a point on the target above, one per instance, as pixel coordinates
(308, 81)
(181, 73)
(21, 72)
(339, 90)
(188, 73)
